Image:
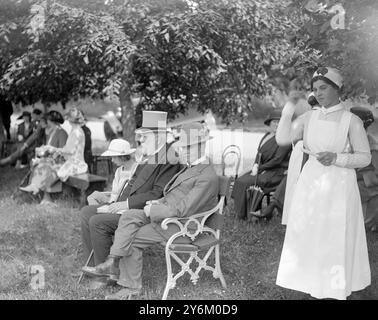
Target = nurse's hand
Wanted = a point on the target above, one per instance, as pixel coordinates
(326, 158)
(295, 96)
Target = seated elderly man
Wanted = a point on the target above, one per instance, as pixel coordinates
(193, 190)
(146, 183)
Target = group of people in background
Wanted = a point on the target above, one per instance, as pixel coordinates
(60, 157)
(52, 154)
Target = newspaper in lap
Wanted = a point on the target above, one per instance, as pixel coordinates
(105, 209)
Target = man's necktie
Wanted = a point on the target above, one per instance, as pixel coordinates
(125, 191)
(171, 182)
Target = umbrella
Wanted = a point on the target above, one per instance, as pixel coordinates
(254, 195)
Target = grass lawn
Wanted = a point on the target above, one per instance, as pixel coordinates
(50, 237)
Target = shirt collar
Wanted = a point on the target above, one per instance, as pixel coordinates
(326, 111)
(157, 150)
(198, 161)
(144, 160)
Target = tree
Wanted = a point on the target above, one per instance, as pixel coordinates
(173, 54)
(216, 55)
(66, 59)
(344, 34)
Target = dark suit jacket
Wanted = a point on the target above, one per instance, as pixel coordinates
(194, 191)
(149, 182)
(88, 145)
(21, 130)
(272, 155)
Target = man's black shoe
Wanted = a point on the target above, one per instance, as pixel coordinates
(109, 268)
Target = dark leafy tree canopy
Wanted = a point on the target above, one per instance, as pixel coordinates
(344, 34)
(212, 54)
(216, 55)
(70, 57)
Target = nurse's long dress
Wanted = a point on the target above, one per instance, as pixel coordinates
(293, 172)
(325, 251)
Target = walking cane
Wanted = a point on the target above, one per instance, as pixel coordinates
(86, 264)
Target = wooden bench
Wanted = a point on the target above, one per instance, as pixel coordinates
(86, 183)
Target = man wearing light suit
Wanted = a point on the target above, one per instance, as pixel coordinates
(146, 183)
(193, 190)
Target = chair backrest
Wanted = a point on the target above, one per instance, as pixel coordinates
(224, 186)
(231, 150)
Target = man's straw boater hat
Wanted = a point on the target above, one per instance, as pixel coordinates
(155, 121)
(192, 133)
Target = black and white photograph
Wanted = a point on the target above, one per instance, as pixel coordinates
(206, 152)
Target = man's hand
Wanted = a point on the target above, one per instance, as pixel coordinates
(20, 138)
(99, 197)
(326, 158)
(147, 209)
(152, 202)
(118, 206)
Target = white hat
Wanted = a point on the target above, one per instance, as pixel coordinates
(331, 74)
(118, 147)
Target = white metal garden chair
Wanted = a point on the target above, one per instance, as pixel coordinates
(204, 239)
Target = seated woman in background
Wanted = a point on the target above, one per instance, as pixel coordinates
(121, 154)
(282, 195)
(60, 162)
(24, 131)
(271, 169)
(56, 137)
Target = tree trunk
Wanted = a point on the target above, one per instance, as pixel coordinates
(128, 115)
(2, 130)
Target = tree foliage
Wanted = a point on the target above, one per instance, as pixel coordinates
(76, 54)
(342, 33)
(211, 54)
(216, 55)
